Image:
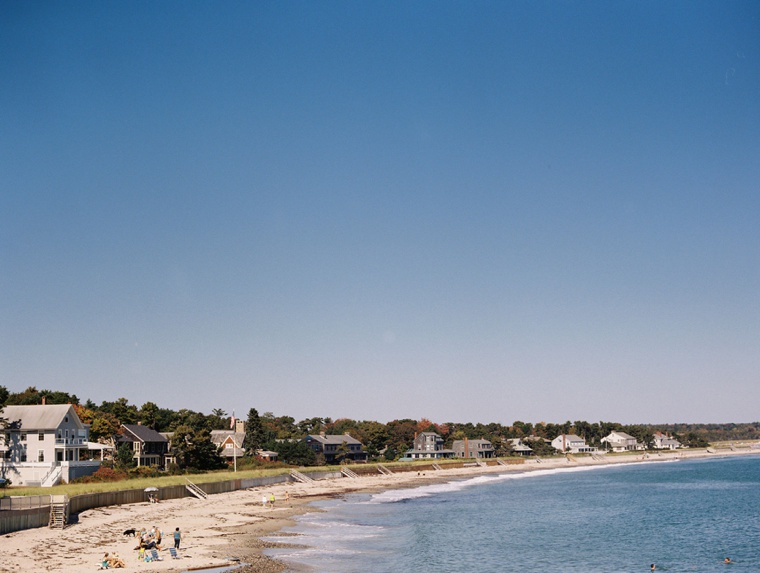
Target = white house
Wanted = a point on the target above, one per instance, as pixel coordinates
(665, 442)
(622, 442)
(570, 443)
(42, 445)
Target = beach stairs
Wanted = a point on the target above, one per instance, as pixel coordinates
(597, 457)
(571, 459)
(348, 473)
(53, 477)
(501, 462)
(538, 460)
(481, 463)
(437, 467)
(59, 511)
(383, 470)
(299, 477)
(195, 490)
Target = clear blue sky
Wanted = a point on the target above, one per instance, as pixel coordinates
(464, 211)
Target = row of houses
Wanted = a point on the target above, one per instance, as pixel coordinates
(430, 445)
(43, 445)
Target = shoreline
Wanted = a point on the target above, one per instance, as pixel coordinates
(234, 524)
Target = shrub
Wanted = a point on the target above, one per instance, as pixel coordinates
(104, 474)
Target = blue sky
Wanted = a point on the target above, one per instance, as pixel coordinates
(464, 211)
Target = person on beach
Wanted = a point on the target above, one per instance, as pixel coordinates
(177, 538)
(264, 500)
(271, 501)
(104, 563)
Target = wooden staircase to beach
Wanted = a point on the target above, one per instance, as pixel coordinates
(59, 511)
(383, 470)
(195, 490)
(299, 477)
(348, 473)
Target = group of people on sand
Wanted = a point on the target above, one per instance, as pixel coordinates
(152, 539)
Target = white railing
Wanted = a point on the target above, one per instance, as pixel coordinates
(70, 441)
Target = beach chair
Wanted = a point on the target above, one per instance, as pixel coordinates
(154, 555)
(173, 553)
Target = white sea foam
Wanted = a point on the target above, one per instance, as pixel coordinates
(399, 495)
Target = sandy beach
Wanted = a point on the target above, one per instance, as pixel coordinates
(231, 525)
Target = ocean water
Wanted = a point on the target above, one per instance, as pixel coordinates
(684, 516)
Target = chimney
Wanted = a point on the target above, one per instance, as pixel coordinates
(44, 400)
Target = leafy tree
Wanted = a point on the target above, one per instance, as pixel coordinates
(218, 420)
(194, 450)
(310, 426)
(255, 436)
(124, 457)
(125, 412)
(103, 426)
(539, 447)
(32, 396)
(294, 452)
(148, 415)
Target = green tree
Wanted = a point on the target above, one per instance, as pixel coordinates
(195, 451)
(148, 415)
(124, 457)
(294, 452)
(254, 433)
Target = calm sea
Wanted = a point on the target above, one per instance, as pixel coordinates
(682, 516)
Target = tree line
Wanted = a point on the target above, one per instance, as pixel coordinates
(382, 441)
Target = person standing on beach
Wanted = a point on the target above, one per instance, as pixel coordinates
(177, 538)
(271, 501)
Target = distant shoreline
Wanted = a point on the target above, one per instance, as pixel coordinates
(235, 524)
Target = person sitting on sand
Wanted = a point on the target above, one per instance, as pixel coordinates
(104, 562)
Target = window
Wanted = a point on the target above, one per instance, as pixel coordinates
(23, 437)
(22, 456)
(41, 456)
(41, 436)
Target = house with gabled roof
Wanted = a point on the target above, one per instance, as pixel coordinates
(336, 447)
(477, 449)
(148, 446)
(229, 442)
(622, 442)
(428, 445)
(572, 444)
(665, 442)
(519, 448)
(43, 445)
